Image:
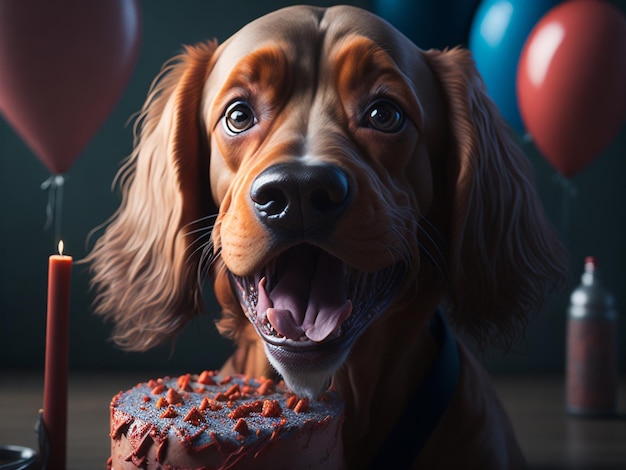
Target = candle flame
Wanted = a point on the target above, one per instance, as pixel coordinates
(61, 247)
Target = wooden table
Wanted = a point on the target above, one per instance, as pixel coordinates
(553, 440)
(550, 438)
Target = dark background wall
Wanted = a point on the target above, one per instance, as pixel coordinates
(597, 221)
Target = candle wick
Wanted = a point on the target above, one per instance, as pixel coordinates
(61, 247)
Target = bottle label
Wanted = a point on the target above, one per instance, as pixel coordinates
(592, 369)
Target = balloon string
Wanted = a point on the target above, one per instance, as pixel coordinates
(54, 208)
(569, 191)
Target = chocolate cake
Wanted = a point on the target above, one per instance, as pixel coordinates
(205, 421)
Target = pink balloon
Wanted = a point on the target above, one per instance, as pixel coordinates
(571, 82)
(63, 66)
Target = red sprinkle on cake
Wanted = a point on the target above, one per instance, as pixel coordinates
(205, 421)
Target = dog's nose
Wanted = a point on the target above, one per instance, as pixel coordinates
(300, 198)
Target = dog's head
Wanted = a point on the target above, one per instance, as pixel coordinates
(324, 170)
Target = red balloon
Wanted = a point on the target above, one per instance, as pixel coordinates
(571, 82)
(63, 66)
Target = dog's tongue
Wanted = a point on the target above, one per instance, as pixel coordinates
(309, 298)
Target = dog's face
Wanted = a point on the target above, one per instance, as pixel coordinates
(326, 172)
(321, 170)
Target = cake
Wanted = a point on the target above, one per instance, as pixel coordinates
(204, 421)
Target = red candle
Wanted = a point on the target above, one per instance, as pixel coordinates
(57, 352)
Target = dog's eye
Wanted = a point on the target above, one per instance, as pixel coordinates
(385, 116)
(239, 117)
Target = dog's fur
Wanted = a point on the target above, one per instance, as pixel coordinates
(438, 209)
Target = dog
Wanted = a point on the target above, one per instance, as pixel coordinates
(350, 195)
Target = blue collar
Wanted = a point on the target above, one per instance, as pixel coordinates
(427, 405)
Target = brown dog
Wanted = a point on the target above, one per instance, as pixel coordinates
(359, 183)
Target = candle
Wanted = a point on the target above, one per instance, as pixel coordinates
(57, 352)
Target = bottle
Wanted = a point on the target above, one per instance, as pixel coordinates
(592, 350)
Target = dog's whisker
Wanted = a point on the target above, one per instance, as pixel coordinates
(435, 243)
(202, 245)
(212, 257)
(204, 233)
(208, 229)
(409, 239)
(405, 253)
(424, 226)
(207, 258)
(201, 220)
(442, 270)
(438, 258)
(435, 231)
(203, 268)
(200, 241)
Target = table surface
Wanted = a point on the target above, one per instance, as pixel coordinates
(550, 438)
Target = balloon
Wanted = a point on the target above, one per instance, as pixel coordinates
(64, 64)
(429, 24)
(498, 33)
(571, 82)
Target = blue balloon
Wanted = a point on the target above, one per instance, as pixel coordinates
(429, 23)
(497, 36)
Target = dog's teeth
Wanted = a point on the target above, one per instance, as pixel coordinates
(271, 330)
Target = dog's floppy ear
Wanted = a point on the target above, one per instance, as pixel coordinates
(145, 265)
(505, 256)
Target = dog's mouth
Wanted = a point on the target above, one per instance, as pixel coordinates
(310, 307)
